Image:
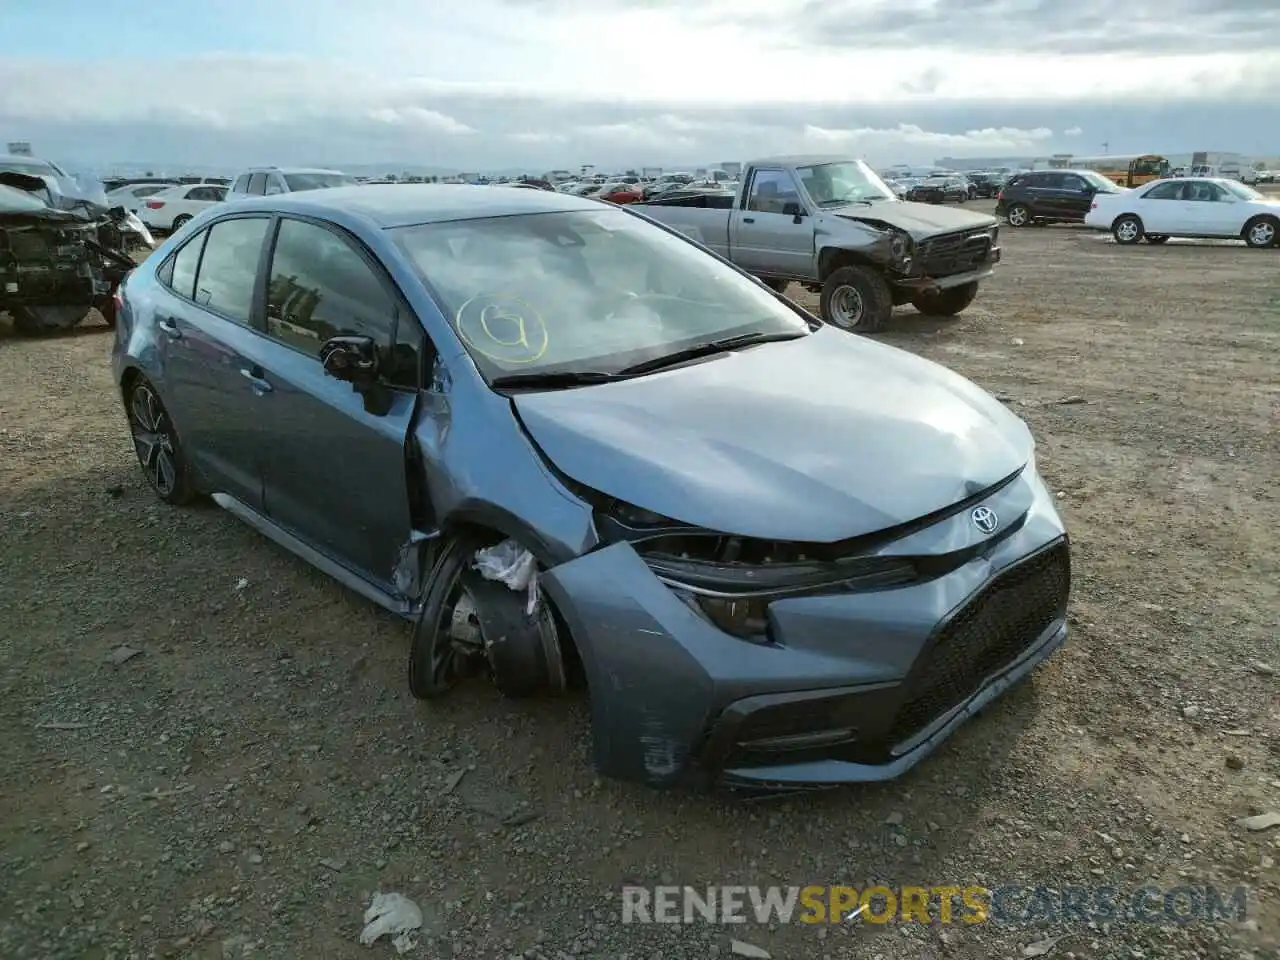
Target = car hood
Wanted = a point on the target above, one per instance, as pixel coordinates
(921, 220)
(819, 439)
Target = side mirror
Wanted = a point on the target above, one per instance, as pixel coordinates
(793, 210)
(351, 359)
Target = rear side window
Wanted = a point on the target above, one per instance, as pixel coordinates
(258, 183)
(1164, 191)
(229, 267)
(179, 271)
(242, 184)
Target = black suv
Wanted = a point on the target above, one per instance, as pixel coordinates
(1050, 196)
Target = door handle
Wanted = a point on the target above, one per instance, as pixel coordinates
(748, 219)
(170, 328)
(257, 380)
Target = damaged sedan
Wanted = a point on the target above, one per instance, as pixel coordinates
(575, 448)
(63, 248)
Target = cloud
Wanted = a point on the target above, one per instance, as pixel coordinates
(910, 138)
(420, 118)
(620, 83)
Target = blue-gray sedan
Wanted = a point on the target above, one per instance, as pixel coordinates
(572, 445)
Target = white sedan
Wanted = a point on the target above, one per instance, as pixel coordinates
(133, 196)
(170, 209)
(1201, 207)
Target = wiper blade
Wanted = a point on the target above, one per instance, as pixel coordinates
(722, 345)
(554, 380)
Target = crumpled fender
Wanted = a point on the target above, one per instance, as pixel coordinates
(650, 698)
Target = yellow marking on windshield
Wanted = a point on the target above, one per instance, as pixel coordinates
(503, 327)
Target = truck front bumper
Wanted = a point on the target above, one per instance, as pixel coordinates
(937, 284)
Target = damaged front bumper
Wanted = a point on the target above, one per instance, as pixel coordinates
(850, 686)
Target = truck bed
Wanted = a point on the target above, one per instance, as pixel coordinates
(701, 201)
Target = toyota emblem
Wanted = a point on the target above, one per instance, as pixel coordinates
(985, 519)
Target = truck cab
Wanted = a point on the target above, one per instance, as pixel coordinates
(832, 225)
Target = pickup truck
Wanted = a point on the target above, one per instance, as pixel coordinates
(833, 226)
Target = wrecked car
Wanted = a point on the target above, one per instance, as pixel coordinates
(63, 250)
(833, 226)
(573, 447)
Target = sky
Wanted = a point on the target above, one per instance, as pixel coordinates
(546, 84)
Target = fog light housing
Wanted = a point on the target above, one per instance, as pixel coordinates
(743, 617)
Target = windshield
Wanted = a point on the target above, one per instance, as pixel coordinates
(317, 181)
(1242, 191)
(583, 291)
(32, 168)
(1103, 184)
(847, 181)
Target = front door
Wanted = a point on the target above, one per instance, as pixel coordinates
(764, 240)
(334, 472)
(206, 324)
(1160, 208)
(1209, 210)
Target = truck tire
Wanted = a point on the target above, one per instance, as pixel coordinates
(857, 298)
(946, 303)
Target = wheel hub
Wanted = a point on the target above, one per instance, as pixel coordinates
(846, 306)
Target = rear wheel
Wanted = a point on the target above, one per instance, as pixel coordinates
(1262, 232)
(179, 222)
(857, 298)
(156, 443)
(1018, 215)
(946, 303)
(1127, 229)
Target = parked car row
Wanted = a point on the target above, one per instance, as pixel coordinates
(576, 448)
(1193, 207)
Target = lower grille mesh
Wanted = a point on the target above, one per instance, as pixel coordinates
(990, 632)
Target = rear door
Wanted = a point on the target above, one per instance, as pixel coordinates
(1160, 208)
(1077, 196)
(764, 240)
(334, 471)
(206, 319)
(1049, 195)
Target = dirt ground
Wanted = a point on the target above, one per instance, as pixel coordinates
(245, 783)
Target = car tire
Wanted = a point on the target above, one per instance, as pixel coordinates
(435, 662)
(1019, 215)
(180, 221)
(1261, 232)
(856, 298)
(1127, 229)
(946, 303)
(433, 670)
(1157, 238)
(156, 443)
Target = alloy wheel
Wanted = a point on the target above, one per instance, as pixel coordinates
(1262, 234)
(153, 439)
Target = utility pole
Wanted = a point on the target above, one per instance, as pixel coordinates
(1106, 145)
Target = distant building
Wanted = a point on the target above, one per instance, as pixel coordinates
(987, 163)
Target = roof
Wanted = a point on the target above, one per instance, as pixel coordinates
(801, 160)
(273, 169)
(403, 204)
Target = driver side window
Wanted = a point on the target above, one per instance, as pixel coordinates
(771, 191)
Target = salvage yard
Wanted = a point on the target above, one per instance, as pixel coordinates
(210, 750)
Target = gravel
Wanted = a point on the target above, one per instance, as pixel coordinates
(210, 751)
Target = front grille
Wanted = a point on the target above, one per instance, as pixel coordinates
(997, 625)
(955, 252)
